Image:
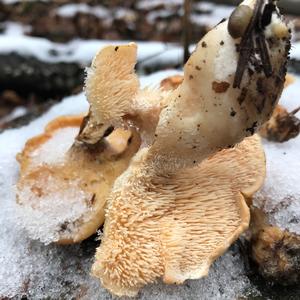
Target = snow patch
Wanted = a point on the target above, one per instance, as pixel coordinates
(81, 51)
(71, 10)
(280, 195)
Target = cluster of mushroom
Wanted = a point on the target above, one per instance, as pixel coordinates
(169, 170)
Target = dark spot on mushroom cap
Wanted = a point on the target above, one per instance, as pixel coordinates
(252, 129)
(116, 49)
(233, 112)
(222, 43)
(198, 68)
(242, 96)
(204, 45)
(250, 71)
(64, 226)
(92, 201)
(191, 77)
(220, 87)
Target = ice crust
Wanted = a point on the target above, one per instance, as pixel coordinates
(63, 272)
(280, 195)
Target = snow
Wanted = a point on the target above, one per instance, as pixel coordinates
(18, 1)
(213, 14)
(61, 203)
(13, 28)
(75, 51)
(82, 51)
(70, 10)
(280, 195)
(125, 13)
(16, 113)
(152, 16)
(64, 272)
(147, 5)
(295, 51)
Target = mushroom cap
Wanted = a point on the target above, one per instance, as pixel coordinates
(175, 225)
(209, 90)
(62, 191)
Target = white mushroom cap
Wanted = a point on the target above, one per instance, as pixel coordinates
(206, 112)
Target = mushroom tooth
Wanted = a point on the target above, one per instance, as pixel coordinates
(175, 225)
(207, 112)
(110, 86)
(111, 82)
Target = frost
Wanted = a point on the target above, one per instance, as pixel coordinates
(280, 195)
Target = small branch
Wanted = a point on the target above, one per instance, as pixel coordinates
(295, 110)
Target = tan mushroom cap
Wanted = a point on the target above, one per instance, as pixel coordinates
(175, 226)
(101, 151)
(91, 174)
